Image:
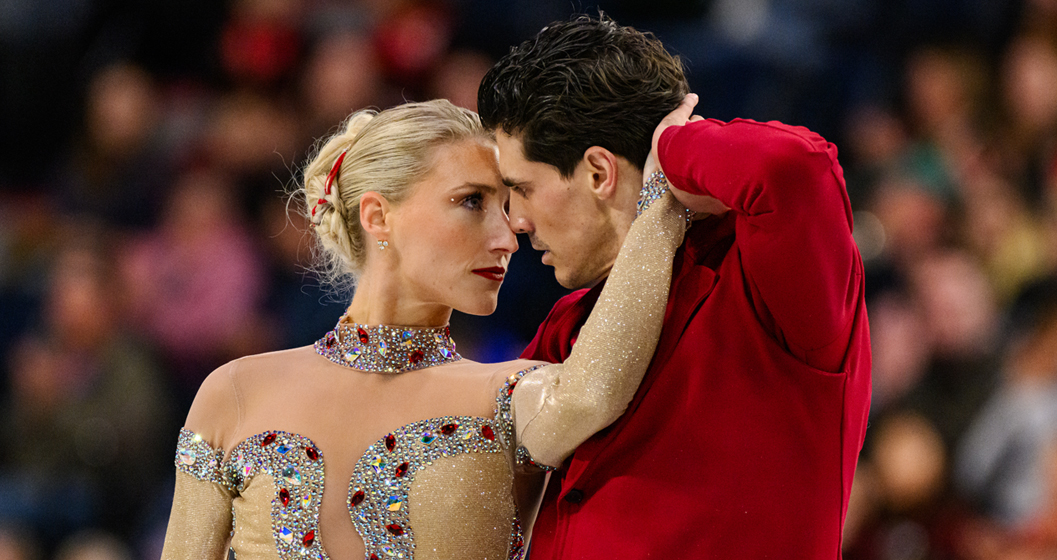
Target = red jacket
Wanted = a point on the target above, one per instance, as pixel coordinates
(742, 440)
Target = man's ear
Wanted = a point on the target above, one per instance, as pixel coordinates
(602, 170)
(373, 210)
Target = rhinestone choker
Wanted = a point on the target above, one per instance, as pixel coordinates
(385, 349)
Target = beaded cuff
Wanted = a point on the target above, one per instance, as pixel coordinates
(197, 458)
(653, 189)
(503, 413)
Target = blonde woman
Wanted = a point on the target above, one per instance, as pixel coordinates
(380, 441)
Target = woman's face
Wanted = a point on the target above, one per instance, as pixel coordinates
(451, 237)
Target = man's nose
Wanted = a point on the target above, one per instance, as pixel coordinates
(519, 220)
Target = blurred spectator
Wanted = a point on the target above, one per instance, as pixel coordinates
(87, 413)
(119, 170)
(195, 284)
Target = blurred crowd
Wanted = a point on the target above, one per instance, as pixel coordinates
(146, 237)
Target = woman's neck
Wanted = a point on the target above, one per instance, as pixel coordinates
(380, 301)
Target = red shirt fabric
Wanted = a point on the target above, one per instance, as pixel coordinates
(743, 438)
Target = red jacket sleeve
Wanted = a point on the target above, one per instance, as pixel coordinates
(794, 225)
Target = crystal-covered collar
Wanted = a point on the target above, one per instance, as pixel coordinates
(385, 349)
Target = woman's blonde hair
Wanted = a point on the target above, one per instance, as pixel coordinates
(385, 152)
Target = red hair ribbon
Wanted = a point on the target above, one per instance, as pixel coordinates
(334, 171)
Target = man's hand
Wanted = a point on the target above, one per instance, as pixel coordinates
(683, 114)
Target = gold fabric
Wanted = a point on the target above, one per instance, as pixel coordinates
(454, 499)
(458, 504)
(200, 521)
(557, 407)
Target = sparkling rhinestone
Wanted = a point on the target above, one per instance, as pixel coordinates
(439, 338)
(352, 354)
(187, 457)
(401, 470)
(388, 551)
(330, 340)
(312, 453)
(292, 476)
(306, 501)
(357, 498)
(428, 437)
(395, 503)
(390, 442)
(382, 347)
(408, 335)
(487, 432)
(379, 464)
(449, 429)
(284, 497)
(282, 449)
(395, 529)
(246, 469)
(268, 439)
(362, 334)
(445, 352)
(417, 356)
(308, 539)
(286, 534)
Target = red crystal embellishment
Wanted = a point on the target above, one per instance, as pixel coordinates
(374, 557)
(284, 496)
(402, 469)
(394, 529)
(364, 339)
(357, 498)
(417, 356)
(390, 442)
(331, 340)
(268, 440)
(449, 429)
(309, 538)
(312, 453)
(487, 432)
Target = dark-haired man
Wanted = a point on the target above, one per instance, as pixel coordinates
(742, 440)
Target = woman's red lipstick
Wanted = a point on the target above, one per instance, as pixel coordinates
(493, 273)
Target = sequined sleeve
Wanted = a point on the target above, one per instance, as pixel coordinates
(557, 407)
(201, 521)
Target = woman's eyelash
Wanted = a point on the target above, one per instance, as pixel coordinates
(473, 201)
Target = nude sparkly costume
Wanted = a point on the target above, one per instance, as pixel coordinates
(381, 441)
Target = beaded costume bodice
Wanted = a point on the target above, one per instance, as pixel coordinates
(390, 483)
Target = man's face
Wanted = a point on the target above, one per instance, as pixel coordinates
(561, 216)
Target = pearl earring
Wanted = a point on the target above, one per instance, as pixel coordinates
(382, 245)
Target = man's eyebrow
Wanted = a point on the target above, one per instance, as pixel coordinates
(514, 183)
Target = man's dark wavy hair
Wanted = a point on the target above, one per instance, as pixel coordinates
(581, 83)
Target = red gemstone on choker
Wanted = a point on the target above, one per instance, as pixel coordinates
(362, 334)
(390, 442)
(395, 529)
(312, 453)
(374, 557)
(309, 538)
(357, 498)
(487, 432)
(284, 497)
(449, 429)
(402, 469)
(268, 440)
(417, 356)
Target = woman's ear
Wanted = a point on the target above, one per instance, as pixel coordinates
(373, 210)
(601, 166)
